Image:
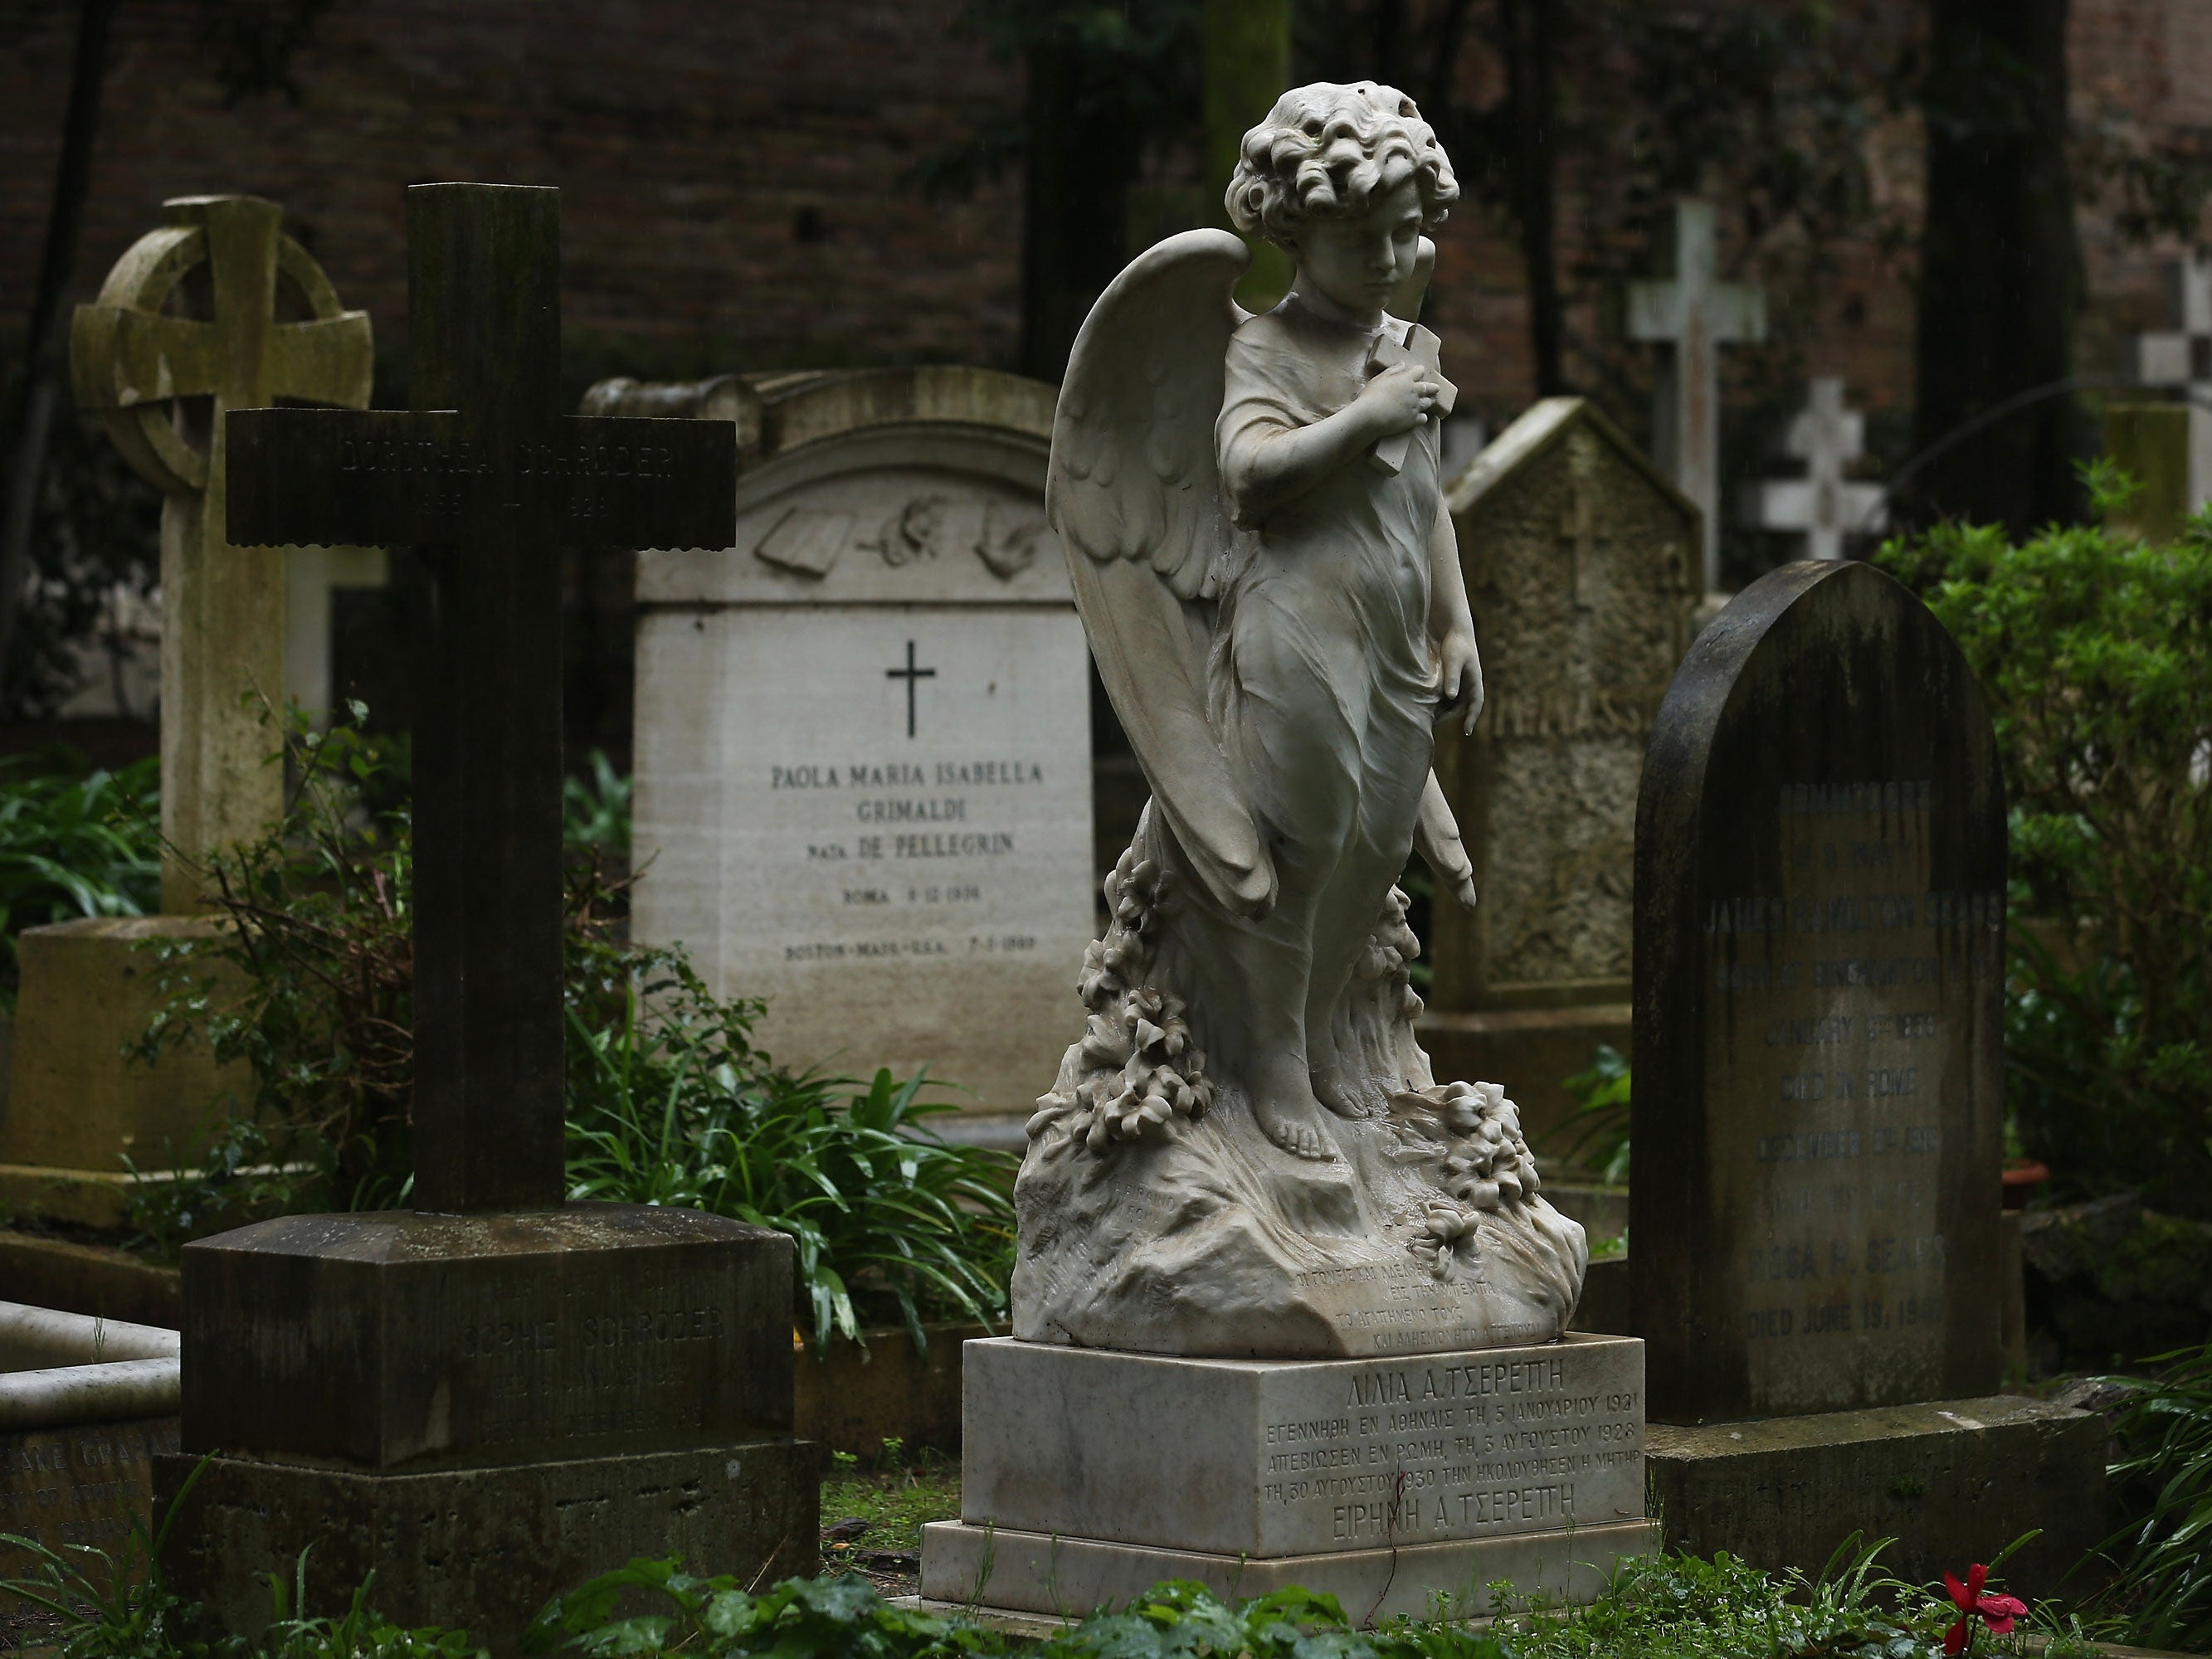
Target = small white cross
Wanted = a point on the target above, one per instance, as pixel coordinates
(1695, 315)
(1824, 506)
(2181, 358)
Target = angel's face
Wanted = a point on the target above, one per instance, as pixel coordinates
(1352, 265)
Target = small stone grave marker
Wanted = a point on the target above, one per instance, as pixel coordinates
(1580, 564)
(1820, 934)
(863, 745)
(1691, 316)
(2179, 358)
(1825, 507)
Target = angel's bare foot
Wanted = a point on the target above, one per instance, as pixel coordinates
(1331, 1089)
(1282, 1100)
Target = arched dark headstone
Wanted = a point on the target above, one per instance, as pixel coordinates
(1818, 958)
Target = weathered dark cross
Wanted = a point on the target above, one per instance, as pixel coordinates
(488, 480)
(909, 674)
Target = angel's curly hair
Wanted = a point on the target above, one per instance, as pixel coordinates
(1326, 150)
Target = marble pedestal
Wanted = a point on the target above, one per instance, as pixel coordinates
(1088, 1475)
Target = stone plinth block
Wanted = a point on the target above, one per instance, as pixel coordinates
(75, 1106)
(1034, 1573)
(406, 1340)
(1953, 1481)
(1298, 1458)
(82, 1484)
(483, 1549)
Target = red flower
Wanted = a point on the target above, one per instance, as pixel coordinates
(1998, 1612)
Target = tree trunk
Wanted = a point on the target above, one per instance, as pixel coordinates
(1082, 157)
(1529, 38)
(2000, 265)
(39, 387)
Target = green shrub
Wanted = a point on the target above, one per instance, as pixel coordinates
(669, 1102)
(73, 843)
(2095, 652)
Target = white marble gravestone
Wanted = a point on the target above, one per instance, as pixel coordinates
(2180, 357)
(1825, 507)
(863, 733)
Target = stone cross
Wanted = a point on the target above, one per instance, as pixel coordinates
(191, 312)
(1824, 506)
(2181, 357)
(487, 479)
(1694, 314)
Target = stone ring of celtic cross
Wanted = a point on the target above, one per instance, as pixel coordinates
(152, 375)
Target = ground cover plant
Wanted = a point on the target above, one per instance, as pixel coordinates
(1662, 1608)
(75, 841)
(670, 1101)
(2094, 651)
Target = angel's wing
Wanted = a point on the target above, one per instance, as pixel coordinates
(1135, 495)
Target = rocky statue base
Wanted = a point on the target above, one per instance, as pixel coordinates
(1087, 1477)
(1159, 1215)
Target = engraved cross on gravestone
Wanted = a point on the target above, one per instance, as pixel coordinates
(1583, 535)
(910, 674)
(487, 479)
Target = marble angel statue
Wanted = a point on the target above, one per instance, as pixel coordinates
(1246, 1152)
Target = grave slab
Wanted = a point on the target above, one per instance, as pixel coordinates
(1953, 1481)
(1817, 1258)
(83, 1483)
(1582, 568)
(1819, 931)
(863, 730)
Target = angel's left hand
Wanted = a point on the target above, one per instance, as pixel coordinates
(1459, 677)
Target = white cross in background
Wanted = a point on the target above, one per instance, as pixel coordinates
(1824, 506)
(2181, 358)
(1694, 315)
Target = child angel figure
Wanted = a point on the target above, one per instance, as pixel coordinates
(1254, 515)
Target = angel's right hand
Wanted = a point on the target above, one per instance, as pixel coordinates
(1399, 398)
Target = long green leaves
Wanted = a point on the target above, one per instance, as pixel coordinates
(669, 1103)
(74, 845)
(2164, 1478)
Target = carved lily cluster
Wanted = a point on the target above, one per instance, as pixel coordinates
(1445, 1230)
(1487, 1164)
(1139, 1069)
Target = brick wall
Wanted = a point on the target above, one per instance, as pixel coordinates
(732, 172)
(734, 178)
